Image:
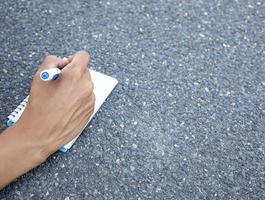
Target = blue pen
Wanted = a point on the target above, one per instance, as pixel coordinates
(50, 74)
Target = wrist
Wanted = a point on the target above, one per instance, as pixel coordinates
(25, 145)
(18, 154)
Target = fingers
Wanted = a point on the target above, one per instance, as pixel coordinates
(79, 60)
(63, 63)
(70, 58)
(50, 61)
(76, 63)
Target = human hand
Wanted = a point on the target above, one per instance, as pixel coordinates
(56, 113)
(58, 110)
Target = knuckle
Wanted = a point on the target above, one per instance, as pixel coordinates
(77, 72)
(89, 87)
(85, 56)
(93, 98)
(88, 91)
(76, 66)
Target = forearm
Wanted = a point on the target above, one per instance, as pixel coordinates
(17, 155)
(42, 130)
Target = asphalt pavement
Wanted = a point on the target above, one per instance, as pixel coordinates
(187, 119)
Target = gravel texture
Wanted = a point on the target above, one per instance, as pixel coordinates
(187, 120)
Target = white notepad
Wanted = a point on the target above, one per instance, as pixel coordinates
(103, 85)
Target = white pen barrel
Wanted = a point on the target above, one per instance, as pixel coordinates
(50, 74)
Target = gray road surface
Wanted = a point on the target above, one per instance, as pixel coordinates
(187, 120)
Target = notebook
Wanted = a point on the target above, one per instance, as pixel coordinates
(103, 85)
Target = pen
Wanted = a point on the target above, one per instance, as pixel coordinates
(50, 74)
